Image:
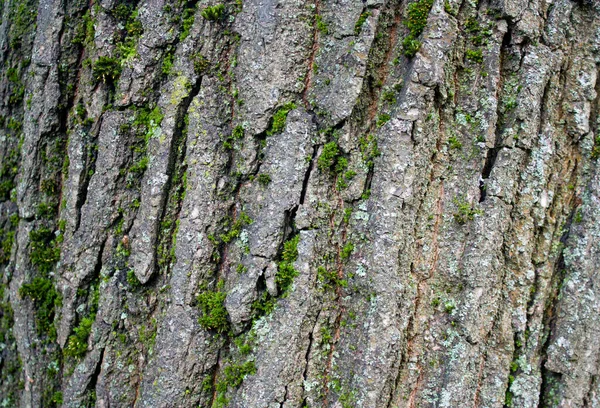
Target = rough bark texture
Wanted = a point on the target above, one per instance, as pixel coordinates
(300, 203)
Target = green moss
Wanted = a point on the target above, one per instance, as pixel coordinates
(8, 171)
(368, 149)
(347, 214)
(464, 211)
(140, 166)
(238, 132)
(330, 279)
(16, 95)
(416, 21)
(328, 156)
(213, 13)
(147, 122)
(389, 96)
(7, 240)
(472, 25)
(448, 8)
(233, 376)
(285, 272)
(57, 398)
(44, 250)
(346, 251)
(264, 305)
(341, 164)
(201, 63)
(46, 210)
(106, 69)
(187, 20)
(345, 177)
(360, 22)
(454, 143)
(22, 22)
(46, 300)
(321, 25)
(236, 228)
(126, 49)
(417, 13)
(280, 118)
(132, 280)
(596, 148)
(76, 346)
(167, 64)
(474, 56)
(214, 315)
(264, 179)
(121, 12)
(382, 119)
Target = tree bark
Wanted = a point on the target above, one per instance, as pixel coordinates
(300, 203)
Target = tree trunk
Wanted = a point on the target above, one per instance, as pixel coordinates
(289, 203)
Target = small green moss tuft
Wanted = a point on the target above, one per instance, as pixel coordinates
(465, 211)
(328, 156)
(201, 63)
(417, 14)
(44, 250)
(596, 148)
(410, 46)
(321, 25)
(280, 118)
(264, 179)
(7, 240)
(416, 21)
(213, 13)
(233, 376)
(106, 69)
(132, 280)
(369, 150)
(238, 132)
(214, 315)
(236, 228)
(454, 143)
(474, 56)
(57, 398)
(167, 64)
(187, 20)
(286, 272)
(78, 342)
(382, 119)
(46, 300)
(360, 22)
(330, 279)
(347, 251)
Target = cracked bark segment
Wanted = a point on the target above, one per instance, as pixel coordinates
(173, 104)
(24, 322)
(573, 353)
(42, 120)
(193, 252)
(139, 73)
(272, 55)
(82, 252)
(283, 339)
(341, 62)
(270, 206)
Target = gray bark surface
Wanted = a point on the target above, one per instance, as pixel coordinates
(299, 203)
